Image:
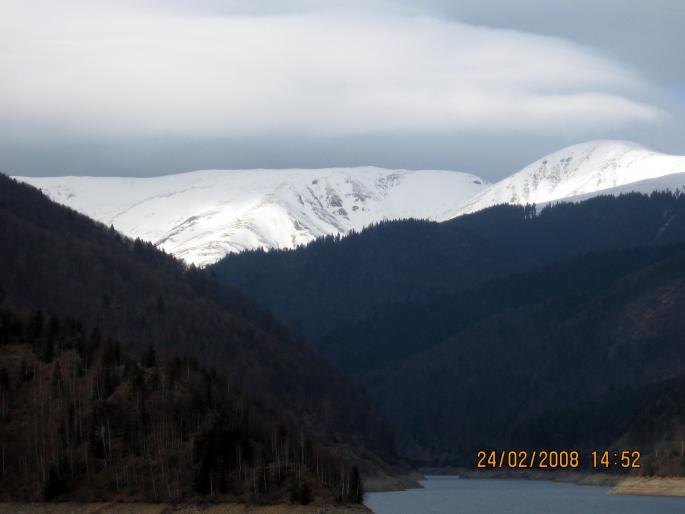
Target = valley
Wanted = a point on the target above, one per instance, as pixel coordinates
(372, 336)
(363, 257)
(552, 322)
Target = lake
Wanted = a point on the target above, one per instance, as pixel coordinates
(452, 495)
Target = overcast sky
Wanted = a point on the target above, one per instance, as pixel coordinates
(151, 87)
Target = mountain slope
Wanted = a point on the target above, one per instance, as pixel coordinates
(203, 215)
(84, 419)
(327, 284)
(583, 169)
(412, 325)
(674, 182)
(460, 354)
(58, 261)
(333, 281)
(571, 371)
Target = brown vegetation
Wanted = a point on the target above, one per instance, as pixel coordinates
(83, 419)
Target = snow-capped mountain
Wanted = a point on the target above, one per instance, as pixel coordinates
(581, 171)
(202, 215)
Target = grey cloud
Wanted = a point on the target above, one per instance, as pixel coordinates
(489, 154)
(635, 46)
(648, 35)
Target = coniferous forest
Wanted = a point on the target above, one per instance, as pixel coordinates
(509, 327)
(83, 418)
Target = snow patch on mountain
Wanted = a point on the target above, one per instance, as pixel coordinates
(674, 182)
(203, 215)
(583, 170)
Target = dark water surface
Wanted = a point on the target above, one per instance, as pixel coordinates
(452, 495)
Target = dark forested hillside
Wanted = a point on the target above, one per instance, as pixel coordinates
(60, 262)
(505, 328)
(334, 282)
(405, 327)
(83, 419)
(599, 224)
(561, 335)
(553, 373)
(659, 426)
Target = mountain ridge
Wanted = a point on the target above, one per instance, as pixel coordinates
(201, 216)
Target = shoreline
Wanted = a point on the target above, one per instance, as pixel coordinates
(168, 508)
(650, 486)
(627, 485)
(574, 477)
(393, 482)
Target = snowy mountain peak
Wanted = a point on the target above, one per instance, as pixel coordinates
(577, 170)
(201, 216)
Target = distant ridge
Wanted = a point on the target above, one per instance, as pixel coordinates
(201, 216)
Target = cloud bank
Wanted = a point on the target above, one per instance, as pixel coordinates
(149, 87)
(136, 71)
